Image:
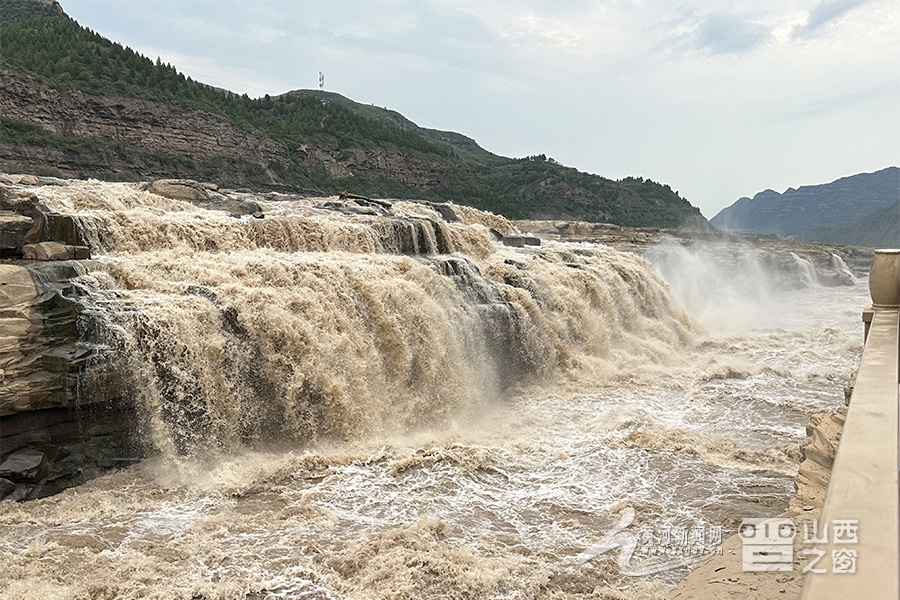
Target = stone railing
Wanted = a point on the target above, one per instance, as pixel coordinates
(861, 557)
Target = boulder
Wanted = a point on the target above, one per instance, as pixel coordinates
(186, 190)
(234, 206)
(205, 195)
(13, 229)
(447, 213)
(51, 181)
(24, 465)
(45, 225)
(818, 450)
(55, 251)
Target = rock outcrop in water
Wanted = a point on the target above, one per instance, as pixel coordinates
(198, 328)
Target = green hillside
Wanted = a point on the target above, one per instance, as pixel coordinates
(460, 144)
(345, 137)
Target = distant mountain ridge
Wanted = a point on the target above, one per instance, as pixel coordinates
(880, 229)
(75, 104)
(817, 212)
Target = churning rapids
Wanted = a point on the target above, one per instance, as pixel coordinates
(348, 406)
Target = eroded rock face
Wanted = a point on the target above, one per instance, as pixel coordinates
(49, 411)
(144, 125)
(171, 129)
(13, 229)
(818, 449)
(41, 353)
(50, 334)
(31, 230)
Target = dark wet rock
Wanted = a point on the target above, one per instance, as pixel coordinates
(447, 213)
(202, 291)
(75, 462)
(365, 201)
(515, 241)
(234, 206)
(6, 487)
(531, 241)
(24, 465)
(352, 210)
(19, 492)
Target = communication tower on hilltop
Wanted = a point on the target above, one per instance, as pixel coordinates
(321, 80)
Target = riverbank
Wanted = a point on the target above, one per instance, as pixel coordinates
(725, 576)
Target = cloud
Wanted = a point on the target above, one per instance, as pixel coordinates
(823, 13)
(816, 107)
(729, 34)
(264, 34)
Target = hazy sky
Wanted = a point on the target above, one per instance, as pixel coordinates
(717, 99)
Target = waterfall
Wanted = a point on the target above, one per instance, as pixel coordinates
(315, 323)
(725, 286)
(839, 265)
(806, 270)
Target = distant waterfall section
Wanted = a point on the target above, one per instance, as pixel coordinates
(318, 319)
(734, 285)
(806, 270)
(841, 266)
